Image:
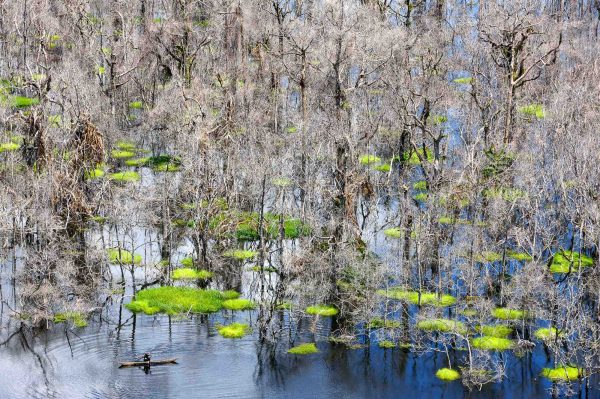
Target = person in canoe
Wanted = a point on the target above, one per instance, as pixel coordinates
(146, 358)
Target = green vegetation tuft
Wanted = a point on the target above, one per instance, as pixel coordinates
(508, 194)
(384, 167)
(138, 162)
(191, 274)
(421, 197)
(498, 331)
(369, 159)
(240, 254)
(127, 176)
(442, 325)
(136, 105)
(24, 102)
(488, 257)
(239, 304)
(562, 373)
(533, 110)
(427, 298)
(509, 314)
(122, 154)
(411, 157)
(394, 232)
(492, 343)
(520, 256)
(464, 81)
(381, 323)
(420, 185)
(95, 173)
(77, 318)
(122, 256)
(446, 374)
(385, 344)
(565, 261)
(234, 330)
(322, 310)
(547, 333)
(176, 300)
(10, 146)
(304, 349)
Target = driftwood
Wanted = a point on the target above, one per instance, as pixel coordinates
(147, 364)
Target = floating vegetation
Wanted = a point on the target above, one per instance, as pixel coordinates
(138, 162)
(136, 105)
(469, 313)
(125, 145)
(191, 274)
(185, 223)
(562, 373)
(122, 256)
(384, 167)
(77, 318)
(282, 182)
(442, 325)
(24, 102)
(95, 173)
(385, 344)
(569, 261)
(520, 256)
(128, 176)
(369, 159)
(266, 269)
(394, 232)
(381, 323)
(322, 310)
(420, 185)
(439, 119)
(10, 146)
(240, 254)
(506, 193)
(239, 304)
(446, 374)
(547, 333)
(304, 349)
(488, 257)
(187, 262)
(487, 343)
(509, 314)
(427, 298)
(421, 197)
(464, 81)
(498, 331)
(175, 300)
(122, 154)
(411, 157)
(234, 330)
(498, 161)
(533, 110)
(244, 225)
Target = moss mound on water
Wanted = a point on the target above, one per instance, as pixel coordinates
(421, 197)
(492, 343)
(509, 314)
(488, 257)
(10, 146)
(442, 325)
(122, 256)
(137, 162)
(244, 225)
(240, 254)
(564, 261)
(24, 102)
(394, 232)
(234, 330)
(562, 373)
(191, 274)
(498, 331)
(187, 262)
(128, 176)
(533, 110)
(465, 81)
(230, 294)
(427, 298)
(125, 145)
(385, 344)
(420, 185)
(239, 304)
(547, 333)
(380, 323)
(446, 374)
(520, 256)
(304, 349)
(412, 157)
(122, 154)
(322, 310)
(136, 105)
(175, 300)
(77, 318)
(96, 173)
(384, 167)
(369, 159)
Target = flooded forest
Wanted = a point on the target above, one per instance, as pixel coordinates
(299, 199)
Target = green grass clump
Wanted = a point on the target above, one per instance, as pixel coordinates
(239, 304)
(421, 197)
(281, 182)
(322, 310)
(77, 318)
(128, 176)
(191, 274)
(427, 298)
(176, 300)
(245, 225)
(412, 157)
(24, 102)
(95, 173)
(384, 167)
(492, 343)
(234, 330)
(380, 323)
(498, 331)
(531, 110)
(304, 349)
(125, 145)
(122, 154)
(394, 232)
(446, 374)
(547, 334)
(136, 105)
(137, 162)
(122, 256)
(439, 119)
(385, 344)
(10, 146)
(369, 159)
(508, 194)
(230, 294)
(240, 254)
(565, 261)
(465, 81)
(187, 262)
(442, 325)
(509, 314)
(520, 256)
(488, 257)
(562, 373)
(420, 185)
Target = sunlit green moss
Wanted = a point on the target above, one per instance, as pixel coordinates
(385, 344)
(187, 262)
(239, 304)
(384, 167)
(394, 232)
(282, 182)
(562, 373)
(439, 119)
(498, 331)
(234, 330)
(137, 162)
(191, 223)
(122, 256)
(508, 194)
(427, 298)
(492, 343)
(191, 274)
(24, 102)
(442, 325)
(240, 254)
(488, 257)
(547, 334)
(421, 197)
(533, 110)
(127, 176)
(565, 261)
(230, 294)
(381, 323)
(125, 145)
(322, 310)
(304, 349)
(509, 314)
(136, 105)
(369, 159)
(412, 157)
(77, 318)
(520, 256)
(465, 81)
(122, 154)
(95, 173)
(446, 374)
(174, 300)
(245, 225)
(10, 146)
(420, 185)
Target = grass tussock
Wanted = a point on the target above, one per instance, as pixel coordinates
(562, 373)
(177, 300)
(122, 256)
(426, 298)
(77, 318)
(234, 330)
(492, 343)
(442, 325)
(322, 310)
(304, 349)
(239, 304)
(446, 374)
(185, 273)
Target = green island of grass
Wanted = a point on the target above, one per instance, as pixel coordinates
(304, 349)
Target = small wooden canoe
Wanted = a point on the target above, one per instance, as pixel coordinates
(150, 363)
